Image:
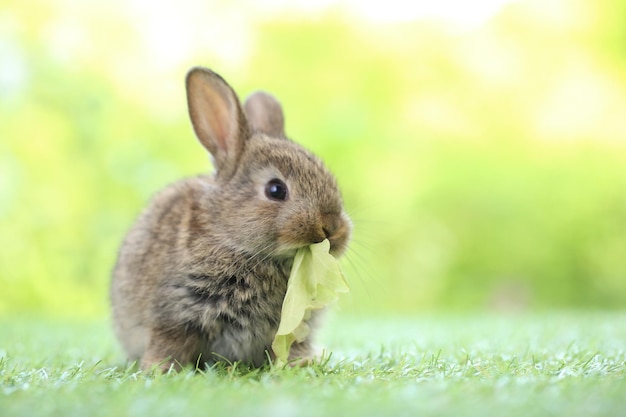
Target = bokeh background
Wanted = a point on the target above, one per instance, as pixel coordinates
(480, 145)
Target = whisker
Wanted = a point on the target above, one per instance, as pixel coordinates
(359, 264)
(260, 260)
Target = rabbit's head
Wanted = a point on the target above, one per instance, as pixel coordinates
(270, 196)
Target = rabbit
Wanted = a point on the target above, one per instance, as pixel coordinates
(202, 274)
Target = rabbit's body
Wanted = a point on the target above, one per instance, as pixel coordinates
(203, 273)
(200, 294)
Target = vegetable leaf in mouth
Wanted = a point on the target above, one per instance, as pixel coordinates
(315, 281)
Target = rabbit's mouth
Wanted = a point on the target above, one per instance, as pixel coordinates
(337, 247)
(301, 232)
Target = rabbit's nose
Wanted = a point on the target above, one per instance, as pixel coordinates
(326, 227)
(319, 235)
(324, 230)
(329, 225)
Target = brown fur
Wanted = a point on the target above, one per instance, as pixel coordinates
(202, 274)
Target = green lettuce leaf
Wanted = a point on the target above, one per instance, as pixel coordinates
(315, 281)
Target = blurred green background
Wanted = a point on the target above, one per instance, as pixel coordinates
(480, 146)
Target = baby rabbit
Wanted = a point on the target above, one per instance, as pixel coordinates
(202, 275)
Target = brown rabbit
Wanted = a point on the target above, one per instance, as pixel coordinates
(202, 275)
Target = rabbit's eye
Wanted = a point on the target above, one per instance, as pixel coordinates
(277, 190)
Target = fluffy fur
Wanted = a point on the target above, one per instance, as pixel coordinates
(202, 274)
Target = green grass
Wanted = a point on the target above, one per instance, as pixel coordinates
(553, 364)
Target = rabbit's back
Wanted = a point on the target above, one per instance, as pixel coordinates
(145, 260)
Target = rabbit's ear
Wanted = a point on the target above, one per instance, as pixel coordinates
(265, 114)
(217, 118)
